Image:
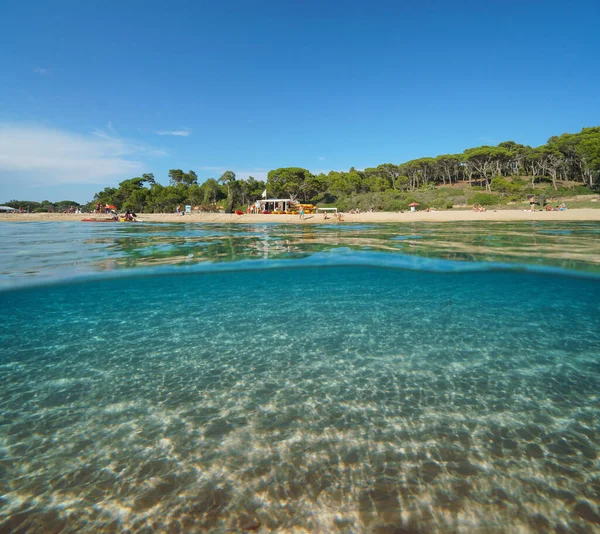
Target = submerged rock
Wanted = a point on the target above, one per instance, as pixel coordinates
(428, 471)
(533, 450)
(561, 448)
(466, 468)
(587, 511)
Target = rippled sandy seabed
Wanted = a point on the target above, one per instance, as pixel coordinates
(321, 399)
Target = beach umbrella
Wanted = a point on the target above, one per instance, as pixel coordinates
(111, 207)
(413, 204)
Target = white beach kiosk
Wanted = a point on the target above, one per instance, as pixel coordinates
(274, 205)
(289, 206)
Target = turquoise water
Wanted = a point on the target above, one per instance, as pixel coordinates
(334, 380)
(51, 251)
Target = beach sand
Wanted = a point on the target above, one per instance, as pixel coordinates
(584, 214)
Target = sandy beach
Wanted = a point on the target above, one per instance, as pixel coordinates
(584, 214)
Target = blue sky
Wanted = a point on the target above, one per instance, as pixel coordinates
(93, 92)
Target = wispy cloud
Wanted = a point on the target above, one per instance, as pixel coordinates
(185, 132)
(322, 158)
(40, 155)
(41, 72)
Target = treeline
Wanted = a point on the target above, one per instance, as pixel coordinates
(569, 157)
(144, 194)
(507, 169)
(43, 206)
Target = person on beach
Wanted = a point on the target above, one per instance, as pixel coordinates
(301, 211)
(532, 203)
(178, 209)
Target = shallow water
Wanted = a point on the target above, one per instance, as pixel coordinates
(50, 251)
(318, 395)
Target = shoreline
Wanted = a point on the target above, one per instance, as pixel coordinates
(582, 214)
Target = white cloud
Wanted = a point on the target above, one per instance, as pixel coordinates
(185, 132)
(41, 72)
(322, 158)
(40, 155)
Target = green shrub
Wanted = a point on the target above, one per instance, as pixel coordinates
(442, 203)
(449, 191)
(427, 187)
(498, 183)
(502, 185)
(519, 181)
(485, 199)
(581, 190)
(401, 202)
(571, 192)
(454, 192)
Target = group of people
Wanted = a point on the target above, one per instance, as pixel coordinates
(338, 216)
(478, 207)
(562, 207)
(127, 216)
(101, 208)
(548, 207)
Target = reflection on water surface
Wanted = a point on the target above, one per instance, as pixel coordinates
(60, 249)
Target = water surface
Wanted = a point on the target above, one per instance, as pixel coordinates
(37, 251)
(321, 394)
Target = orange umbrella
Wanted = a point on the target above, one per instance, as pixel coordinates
(111, 207)
(413, 204)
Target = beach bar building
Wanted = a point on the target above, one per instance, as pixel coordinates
(274, 205)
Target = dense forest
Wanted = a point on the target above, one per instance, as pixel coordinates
(486, 175)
